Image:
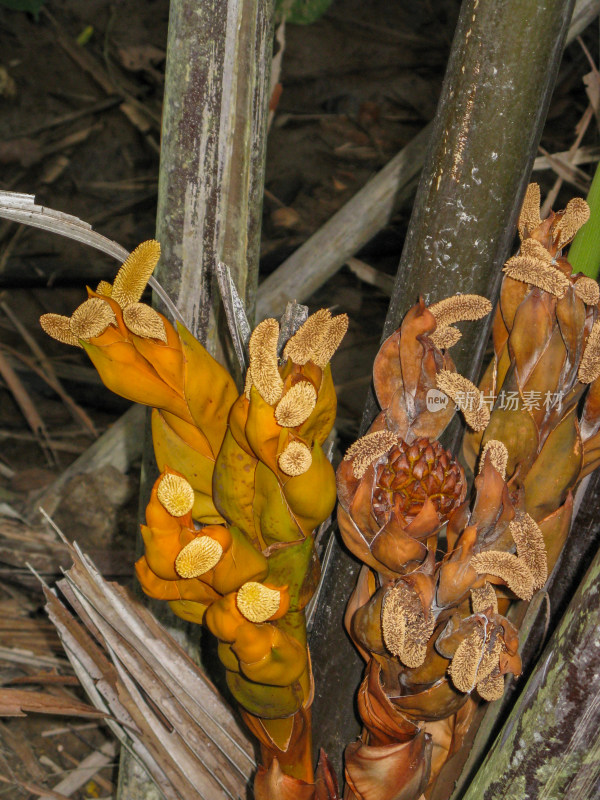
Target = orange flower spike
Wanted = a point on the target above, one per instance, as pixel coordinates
(268, 655)
(309, 506)
(126, 373)
(189, 610)
(164, 354)
(223, 618)
(152, 584)
(169, 506)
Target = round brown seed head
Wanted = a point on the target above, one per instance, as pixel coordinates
(132, 277)
(256, 602)
(198, 556)
(58, 327)
(91, 318)
(589, 367)
(498, 456)
(175, 494)
(409, 475)
(529, 218)
(144, 321)
(368, 449)
(460, 307)
(263, 361)
(587, 289)
(296, 405)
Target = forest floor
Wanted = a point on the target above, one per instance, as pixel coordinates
(357, 86)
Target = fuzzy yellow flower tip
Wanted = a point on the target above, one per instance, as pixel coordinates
(295, 459)
(587, 289)
(296, 405)
(144, 321)
(175, 494)
(445, 337)
(529, 218)
(318, 339)
(135, 272)
(58, 327)
(104, 288)
(91, 318)
(256, 602)
(263, 361)
(460, 307)
(198, 556)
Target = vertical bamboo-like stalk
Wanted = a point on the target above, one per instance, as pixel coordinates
(210, 185)
(502, 69)
(213, 150)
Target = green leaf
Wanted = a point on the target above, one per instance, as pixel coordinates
(584, 253)
(301, 12)
(31, 6)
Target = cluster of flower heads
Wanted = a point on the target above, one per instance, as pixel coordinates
(244, 483)
(441, 569)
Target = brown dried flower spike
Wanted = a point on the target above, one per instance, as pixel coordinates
(368, 449)
(466, 396)
(589, 368)
(498, 454)
(406, 629)
(512, 570)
